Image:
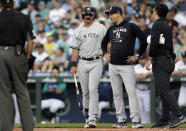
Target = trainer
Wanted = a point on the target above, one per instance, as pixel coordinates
(15, 30)
(122, 35)
(162, 57)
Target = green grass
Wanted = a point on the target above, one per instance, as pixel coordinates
(81, 125)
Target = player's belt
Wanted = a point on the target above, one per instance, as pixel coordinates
(91, 58)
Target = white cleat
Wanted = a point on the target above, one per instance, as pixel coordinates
(92, 124)
(137, 125)
(120, 125)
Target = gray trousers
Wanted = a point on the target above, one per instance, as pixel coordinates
(13, 74)
(125, 74)
(89, 75)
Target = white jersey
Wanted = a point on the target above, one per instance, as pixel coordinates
(88, 40)
(139, 69)
(180, 66)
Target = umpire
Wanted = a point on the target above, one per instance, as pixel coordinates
(15, 30)
(162, 57)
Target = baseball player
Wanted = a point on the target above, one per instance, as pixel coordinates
(180, 69)
(143, 91)
(86, 44)
(122, 35)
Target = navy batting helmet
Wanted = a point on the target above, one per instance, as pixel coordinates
(88, 10)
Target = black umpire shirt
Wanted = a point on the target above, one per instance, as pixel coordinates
(160, 27)
(123, 37)
(15, 28)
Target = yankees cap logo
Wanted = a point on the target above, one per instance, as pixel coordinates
(88, 9)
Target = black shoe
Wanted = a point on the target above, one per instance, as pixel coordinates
(162, 123)
(178, 121)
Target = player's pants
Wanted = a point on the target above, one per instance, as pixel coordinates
(144, 104)
(181, 97)
(52, 104)
(89, 75)
(102, 105)
(125, 74)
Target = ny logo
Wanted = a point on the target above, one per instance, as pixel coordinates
(118, 34)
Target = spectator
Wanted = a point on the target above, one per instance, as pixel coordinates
(148, 14)
(30, 11)
(41, 37)
(176, 47)
(53, 94)
(143, 91)
(57, 59)
(180, 69)
(50, 43)
(74, 24)
(57, 14)
(41, 57)
(43, 11)
(182, 37)
(63, 42)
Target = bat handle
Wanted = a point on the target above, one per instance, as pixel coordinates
(75, 80)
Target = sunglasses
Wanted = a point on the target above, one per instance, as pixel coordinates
(88, 14)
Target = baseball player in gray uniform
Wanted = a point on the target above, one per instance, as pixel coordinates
(86, 44)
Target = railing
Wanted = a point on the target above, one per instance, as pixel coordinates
(38, 80)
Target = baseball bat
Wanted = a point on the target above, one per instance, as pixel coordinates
(79, 100)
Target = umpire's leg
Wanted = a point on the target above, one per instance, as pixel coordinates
(19, 70)
(6, 101)
(162, 81)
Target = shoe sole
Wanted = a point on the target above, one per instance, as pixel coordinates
(181, 122)
(167, 126)
(138, 127)
(91, 125)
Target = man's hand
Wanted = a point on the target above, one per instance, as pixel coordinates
(73, 70)
(107, 57)
(132, 59)
(58, 91)
(148, 64)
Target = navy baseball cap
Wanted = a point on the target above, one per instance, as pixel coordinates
(113, 10)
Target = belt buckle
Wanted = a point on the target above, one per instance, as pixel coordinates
(6, 48)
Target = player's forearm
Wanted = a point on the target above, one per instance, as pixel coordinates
(75, 54)
(30, 48)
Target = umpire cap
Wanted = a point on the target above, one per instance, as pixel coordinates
(88, 10)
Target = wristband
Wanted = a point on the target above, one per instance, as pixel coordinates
(73, 63)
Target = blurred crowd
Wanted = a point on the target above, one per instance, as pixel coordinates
(54, 22)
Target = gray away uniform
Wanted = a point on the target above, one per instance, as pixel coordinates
(88, 42)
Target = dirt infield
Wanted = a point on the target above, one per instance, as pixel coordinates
(104, 129)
